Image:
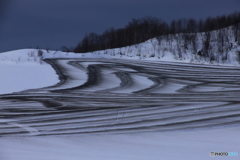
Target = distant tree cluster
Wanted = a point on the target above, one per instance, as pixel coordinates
(140, 30)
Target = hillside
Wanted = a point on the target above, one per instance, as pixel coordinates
(220, 46)
(215, 47)
(140, 30)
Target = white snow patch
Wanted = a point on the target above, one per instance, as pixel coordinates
(19, 71)
(195, 145)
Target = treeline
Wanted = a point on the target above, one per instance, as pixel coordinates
(140, 30)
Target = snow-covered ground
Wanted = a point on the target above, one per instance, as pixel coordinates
(15, 65)
(24, 69)
(155, 146)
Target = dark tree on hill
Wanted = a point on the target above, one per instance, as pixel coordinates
(140, 30)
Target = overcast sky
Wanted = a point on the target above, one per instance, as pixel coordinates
(54, 23)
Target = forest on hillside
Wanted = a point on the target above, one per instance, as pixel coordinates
(140, 30)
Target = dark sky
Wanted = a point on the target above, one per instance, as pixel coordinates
(54, 23)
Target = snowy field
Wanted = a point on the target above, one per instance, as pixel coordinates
(101, 107)
(154, 146)
(23, 69)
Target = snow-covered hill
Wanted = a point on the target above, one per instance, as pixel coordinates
(216, 47)
(221, 47)
(24, 69)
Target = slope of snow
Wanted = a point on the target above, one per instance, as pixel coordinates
(23, 69)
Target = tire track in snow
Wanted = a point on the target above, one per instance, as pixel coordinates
(141, 97)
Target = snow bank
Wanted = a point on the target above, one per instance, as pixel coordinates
(24, 69)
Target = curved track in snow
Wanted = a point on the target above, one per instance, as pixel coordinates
(103, 96)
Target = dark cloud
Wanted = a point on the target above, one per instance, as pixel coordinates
(47, 23)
